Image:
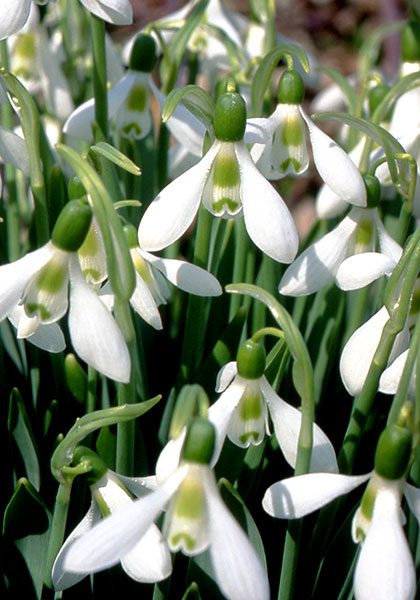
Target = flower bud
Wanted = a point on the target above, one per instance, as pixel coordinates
(97, 467)
(143, 54)
(291, 89)
(373, 189)
(230, 117)
(76, 377)
(72, 225)
(393, 452)
(199, 442)
(410, 42)
(251, 360)
(192, 401)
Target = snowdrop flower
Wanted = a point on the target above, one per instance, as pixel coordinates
(346, 254)
(285, 151)
(40, 281)
(149, 560)
(228, 183)
(196, 520)
(151, 274)
(247, 399)
(384, 568)
(48, 337)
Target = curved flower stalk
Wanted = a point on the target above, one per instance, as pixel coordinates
(228, 183)
(347, 254)
(149, 560)
(40, 282)
(246, 402)
(196, 520)
(285, 151)
(384, 568)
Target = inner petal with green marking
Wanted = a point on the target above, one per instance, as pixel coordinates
(289, 152)
(149, 276)
(248, 422)
(92, 256)
(222, 191)
(365, 235)
(47, 295)
(133, 119)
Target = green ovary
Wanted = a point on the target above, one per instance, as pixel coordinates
(137, 99)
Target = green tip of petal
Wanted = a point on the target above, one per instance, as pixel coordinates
(199, 442)
(373, 190)
(291, 89)
(143, 54)
(393, 452)
(230, 117)
(251, 360)
(410, 42)
(72, 225)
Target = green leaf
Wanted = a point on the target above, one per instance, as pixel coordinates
(264, 73)
(195, 99)
(370, 49)
(349, 93)
(63, 454)
(120, 264)
(115, 156)
(25, 513)
(21, 431)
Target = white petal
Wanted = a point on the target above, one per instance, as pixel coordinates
(328, 204)
(361, 269)
(186, 276)
(412, 495)
(139, 486)
(109, 541)
(144, 303)
(318, 264)
(287, 423)
(237, 566)
(94, 333)
(358, 352)
(220, 413)
(390, 378)
(13, 16)
(337, 170)
(387, 244)
(296, 497)
(170, 456)
(13, 150)
(118, 12)
(225, 376)
(385, 568)
(174, 208)
(267, 219)
(150, 560)
(61, 578)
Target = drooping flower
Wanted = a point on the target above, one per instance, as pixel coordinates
(149, 560)
(196, 520)
(228, 183)
(285, 150)
(41, 280)
(384, 568)
(347, 253)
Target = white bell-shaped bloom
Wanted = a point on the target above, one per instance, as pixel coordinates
(148, 561)
(347, 254)
(196, 519)
(117, 12)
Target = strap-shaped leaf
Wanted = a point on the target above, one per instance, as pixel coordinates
(195, 99)
(116, 157)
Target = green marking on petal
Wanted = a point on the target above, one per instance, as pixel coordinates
(25, 47)
(222, 192)
(137, 98)
(182, 539)
(90, 245)
(52, 277)
(364, 236)
(291, 161)
(226, 170)
(292, 133)
(225, 204)
(91, 274)
(250, 407)
(131, 129)
(32, 309)
(249, 434)
(190, 500)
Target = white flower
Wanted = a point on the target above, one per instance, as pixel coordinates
(40, 281)
(385, 567)
(347, 253)
(285, 152)
(117, 12)
(228, 183)
(47, 337)
(242, 411)
(196, 519)
(147, 561)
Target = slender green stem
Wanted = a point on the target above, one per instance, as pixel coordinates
(58, 528)
(99, 73)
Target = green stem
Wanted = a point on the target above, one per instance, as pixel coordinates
(99, 73)
(58, 528)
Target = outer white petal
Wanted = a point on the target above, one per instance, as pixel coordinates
(297, 497)
(412, 495)
(186, 276)
(169, 458)
(94, 332)
(225, 376)
(267, 219)
(385, 568)
(47, 337)
(387, 244)
(109, 541)
(335, 167)
(150, 560)
(144, 303)
(390, 378)
(139, 486)
(287, 422)
(61, 578)
(328, 204)
(13, 150)
(118, 12)
(13, 16)
(220, 413)
(358, 352)
(318, 264)
(361, 269)
(174, 208)
(237, 566)
(15, 276)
